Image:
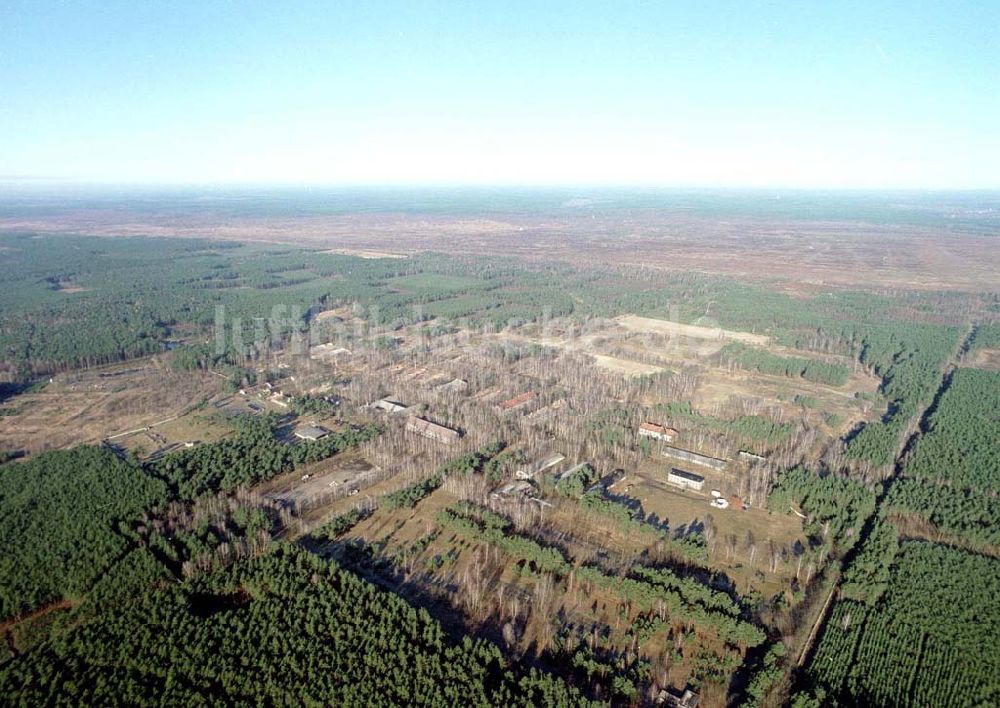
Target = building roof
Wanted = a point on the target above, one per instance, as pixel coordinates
(540, 466)
(516, 487)
(455, 385)
(693, 457)
(311, 432)
(572, 470)
(658, 429)
(431, 430)
(385, 404)
(689, 476)
(518, 400)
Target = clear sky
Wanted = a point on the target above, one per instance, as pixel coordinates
(786, 93)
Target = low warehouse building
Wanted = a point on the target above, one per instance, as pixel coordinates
(388, 405)
(518, 401)
(455, 385)
(688, 480)
(311, 432)
(695, 458)
(432, 430)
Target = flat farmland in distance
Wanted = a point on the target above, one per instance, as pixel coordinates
(949, 247)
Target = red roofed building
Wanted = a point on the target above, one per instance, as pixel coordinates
(658, 432)
(518, 401)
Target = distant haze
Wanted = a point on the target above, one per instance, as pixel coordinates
(783, 94)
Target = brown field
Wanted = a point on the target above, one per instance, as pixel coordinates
(666, 346)
(839, 253)
(313, 484)
(624, 366)
(717, 388)
(365, 254)
(89, 405)
(199, 426)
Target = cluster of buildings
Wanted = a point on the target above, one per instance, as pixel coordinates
(689, 480)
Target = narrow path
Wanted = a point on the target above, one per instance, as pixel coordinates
(817, 625)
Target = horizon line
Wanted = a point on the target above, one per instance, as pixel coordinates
(54, 183)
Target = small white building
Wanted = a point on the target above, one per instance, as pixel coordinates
(687, 480)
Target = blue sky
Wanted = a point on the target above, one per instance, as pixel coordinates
(798, 93)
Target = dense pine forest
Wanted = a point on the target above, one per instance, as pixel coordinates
(285, 628)
(929, 638)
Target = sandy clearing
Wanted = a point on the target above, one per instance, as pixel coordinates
(649, 324)
(363, 253)
(986, 359)
(624, 366)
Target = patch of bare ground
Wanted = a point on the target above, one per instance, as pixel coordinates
(310, 485)
(985, 359)
(717, 387)
(89, 405)
(342, 313)
(361, 253)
